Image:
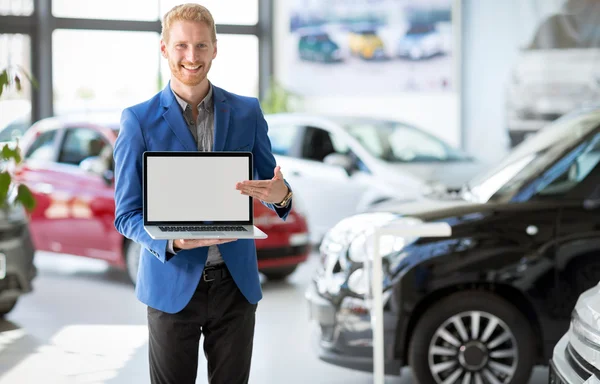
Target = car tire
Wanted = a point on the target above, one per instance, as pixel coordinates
(6, 306)
(279, 274)
(440, 347)
(132, 260)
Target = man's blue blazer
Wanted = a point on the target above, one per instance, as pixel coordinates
(168, 283)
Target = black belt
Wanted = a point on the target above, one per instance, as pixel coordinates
(215, 272)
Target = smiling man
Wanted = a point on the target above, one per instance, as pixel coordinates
(195, 287)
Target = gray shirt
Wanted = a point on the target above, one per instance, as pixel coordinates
(203, 131)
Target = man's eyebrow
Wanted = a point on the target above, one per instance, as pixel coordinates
(186, 42)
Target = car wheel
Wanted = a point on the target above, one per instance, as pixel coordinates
(279, 274)
(6, 306)
(472, 337)
(132, 260)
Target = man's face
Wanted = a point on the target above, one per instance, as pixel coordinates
(190, 51)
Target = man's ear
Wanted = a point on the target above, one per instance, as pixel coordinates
(163, 48)
(215, 52)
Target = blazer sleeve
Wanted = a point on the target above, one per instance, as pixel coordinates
(264, 161)
(128, 155)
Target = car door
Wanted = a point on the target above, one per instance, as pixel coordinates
(573, 183)
(576, 182)
(328, 193)
(87, 224)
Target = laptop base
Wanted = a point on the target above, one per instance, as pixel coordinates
(251, 232)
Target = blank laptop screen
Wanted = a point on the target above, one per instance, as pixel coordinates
(196, 189)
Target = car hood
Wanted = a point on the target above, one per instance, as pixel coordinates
(428, 208)
(452, 175)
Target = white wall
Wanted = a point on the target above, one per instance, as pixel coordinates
(435, 112)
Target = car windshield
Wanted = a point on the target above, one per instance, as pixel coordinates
(531, 157)
(399, 143)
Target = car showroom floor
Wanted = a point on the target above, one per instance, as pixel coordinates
(83, 324)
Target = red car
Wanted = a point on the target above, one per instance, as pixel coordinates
(75, 199)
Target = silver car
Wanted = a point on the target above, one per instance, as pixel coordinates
(576, 357)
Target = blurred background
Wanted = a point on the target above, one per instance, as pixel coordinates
(481, 114)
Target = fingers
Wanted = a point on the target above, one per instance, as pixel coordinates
(195, 243)
(256, 183)
(259, 189)
(277, 173)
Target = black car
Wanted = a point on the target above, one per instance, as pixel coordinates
(17, 269)
(489, 302)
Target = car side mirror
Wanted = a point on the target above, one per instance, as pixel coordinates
(339, 160)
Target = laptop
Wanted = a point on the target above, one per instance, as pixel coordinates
(192, 195)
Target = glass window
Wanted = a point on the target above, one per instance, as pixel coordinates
(99, 78)
(16, 8)
(43, 147)
(15, 106)
(318, 143)
(282, 138)
(395, 142)
(236, 66)
(571, 170)
(106, 9)
(531, 157)
(224, 12)
(79, 144)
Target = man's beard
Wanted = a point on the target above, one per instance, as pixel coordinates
(190, 80)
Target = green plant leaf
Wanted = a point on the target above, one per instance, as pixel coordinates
(8, 153)
(4, 184)
(18, 83)
(3, 80)
(31, 79)
(25, 197)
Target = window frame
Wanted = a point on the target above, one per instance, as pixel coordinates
(41, 24)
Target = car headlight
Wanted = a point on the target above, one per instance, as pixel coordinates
(584, 331)
(340, 236)
(362, 245)
(358, 282)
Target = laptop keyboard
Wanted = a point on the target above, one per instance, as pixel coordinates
(204, 228)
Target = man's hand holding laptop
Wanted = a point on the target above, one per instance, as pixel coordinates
(269, 191)
(195, 243)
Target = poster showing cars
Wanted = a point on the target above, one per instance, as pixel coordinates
(558, 66)
(366, 47)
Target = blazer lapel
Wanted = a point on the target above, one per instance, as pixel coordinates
(174, 117)
(222, 113)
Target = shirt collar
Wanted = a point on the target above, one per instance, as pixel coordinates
(206, 103)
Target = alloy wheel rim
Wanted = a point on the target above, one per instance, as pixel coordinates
(473, 347)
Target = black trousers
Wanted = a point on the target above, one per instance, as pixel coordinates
(220, 313)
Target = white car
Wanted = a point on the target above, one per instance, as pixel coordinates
(555, 74)
(421, 41)
(576, 357)
(339, 166)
